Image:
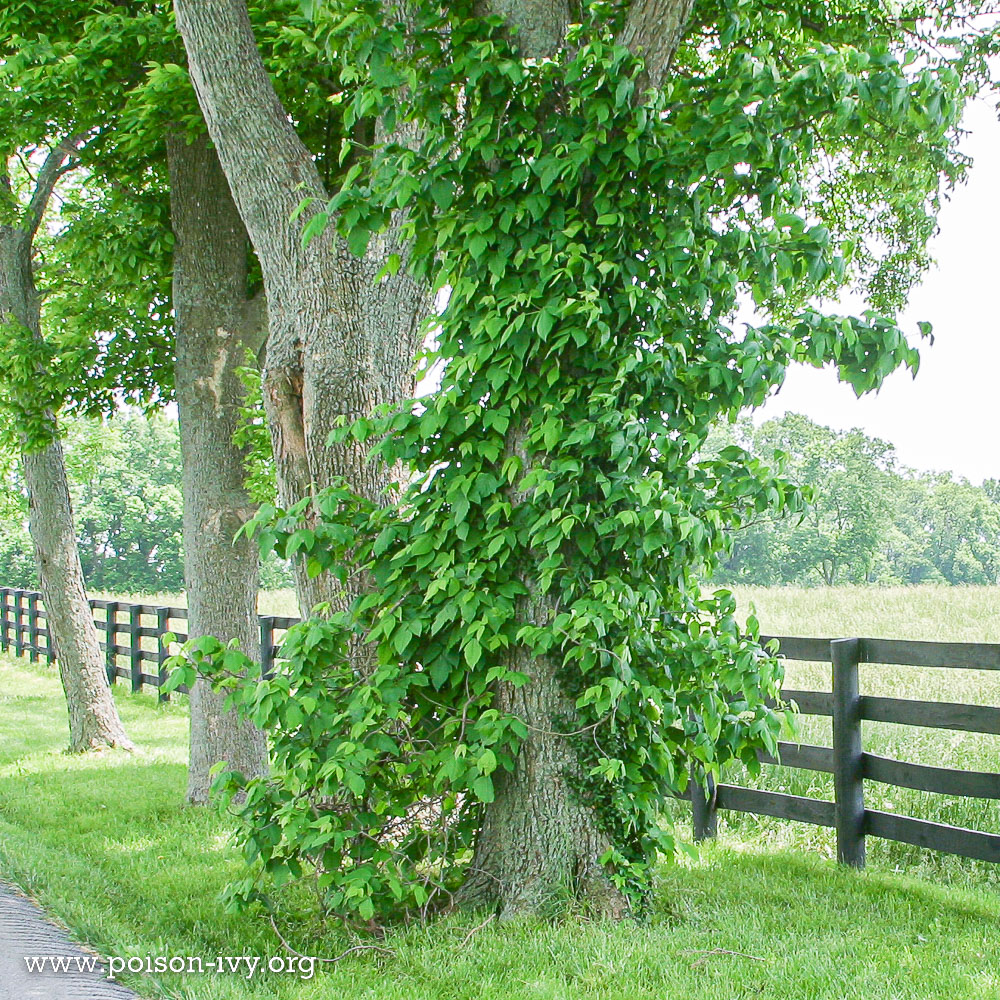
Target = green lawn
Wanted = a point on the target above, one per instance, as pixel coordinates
(105, 844)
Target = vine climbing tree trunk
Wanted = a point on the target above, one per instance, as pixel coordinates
(93, 717)
(339, 344)
(540, 841)
(216, 324)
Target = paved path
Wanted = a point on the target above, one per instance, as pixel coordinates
(25, 931)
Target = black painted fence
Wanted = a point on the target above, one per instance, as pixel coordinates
(133, 641)
(851, 766)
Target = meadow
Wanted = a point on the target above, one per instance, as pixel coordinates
(104, 842)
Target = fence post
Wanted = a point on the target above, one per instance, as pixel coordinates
(266, 646)
(4, 619)
(135, 646)
(162, 626)
(703, 812)
(848, 776)
(50, 643)
(111, 635)
(18, 623)
(33, 649)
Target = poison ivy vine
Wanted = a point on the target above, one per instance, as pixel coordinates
(595, 242)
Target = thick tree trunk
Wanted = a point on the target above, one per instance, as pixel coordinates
(539, 842)
(215, 325)
(338, 344)
(93, 717)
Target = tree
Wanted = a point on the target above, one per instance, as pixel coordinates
(946, 530)
(838, 537)
(93, 718)
(216, 324)
(146, 114)
(124, 477)
(340, 343)
(124, 481)
(869, 521)
(596, 186)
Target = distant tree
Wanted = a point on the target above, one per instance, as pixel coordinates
(125, 479)
(953, 528)
(869, 521)
(837, 539)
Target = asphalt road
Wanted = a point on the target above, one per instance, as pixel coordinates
(24, 931)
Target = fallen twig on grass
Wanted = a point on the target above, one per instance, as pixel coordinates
(476, 930)
(337, 958)
(707, 954)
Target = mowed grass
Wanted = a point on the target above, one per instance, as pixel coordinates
(104, 842)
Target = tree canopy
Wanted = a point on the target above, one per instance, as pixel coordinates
(870, 520)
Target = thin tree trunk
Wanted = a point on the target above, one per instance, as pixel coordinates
(93, 717)
(339, 344)
(215, 326)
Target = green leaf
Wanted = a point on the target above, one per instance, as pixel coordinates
(482, 788)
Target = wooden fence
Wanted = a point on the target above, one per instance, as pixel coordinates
(133, 635)
(851, 766)
(133, 639)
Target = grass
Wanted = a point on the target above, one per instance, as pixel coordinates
(105, 844)
(269, 602)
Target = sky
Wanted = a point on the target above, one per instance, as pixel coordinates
(945, 419)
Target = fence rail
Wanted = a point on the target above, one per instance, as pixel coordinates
(133, 639)
(132, 635)
(851, 766)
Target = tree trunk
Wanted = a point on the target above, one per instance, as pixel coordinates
(93, 717)
(215, 325)
(339, 344)
(539, 845)
(539, 842)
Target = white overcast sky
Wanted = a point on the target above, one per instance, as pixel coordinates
(946, 419)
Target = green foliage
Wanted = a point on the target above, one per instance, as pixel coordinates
(869, 520)
(111, 77)
(124, 476)
(125, 483)
(253, 435)
(595, 242)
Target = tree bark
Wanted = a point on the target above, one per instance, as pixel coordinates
(93, 717)
(539, 842)
(215, 325)
(339, 344)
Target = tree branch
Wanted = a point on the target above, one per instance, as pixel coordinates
(59, 161)
(654, 29)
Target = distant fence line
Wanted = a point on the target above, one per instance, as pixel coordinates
(21, 631)
(133, 635)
